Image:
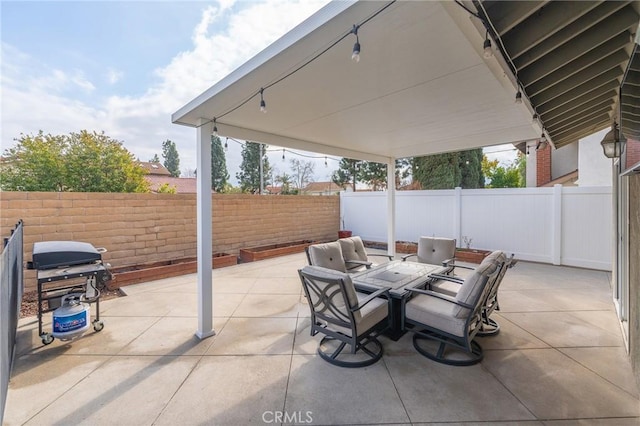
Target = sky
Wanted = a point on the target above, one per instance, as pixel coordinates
(123, 67)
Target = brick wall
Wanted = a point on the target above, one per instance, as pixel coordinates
(543, 165)
(632, 152)
(145, 228)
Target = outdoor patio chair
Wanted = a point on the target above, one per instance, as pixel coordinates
(435, 251)
(345, 316)
(326, 255)
(444, 326)
(450, 285)
(355, 255)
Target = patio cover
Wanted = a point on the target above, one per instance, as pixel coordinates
(422, 86)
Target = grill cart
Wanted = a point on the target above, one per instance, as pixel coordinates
(70, 276)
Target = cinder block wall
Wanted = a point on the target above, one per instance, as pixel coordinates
(146, 228)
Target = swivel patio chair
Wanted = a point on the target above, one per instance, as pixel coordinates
(345, 316)
(435, 251)
(450, 285)
(355, 255)
(444, 327)
(326, 255)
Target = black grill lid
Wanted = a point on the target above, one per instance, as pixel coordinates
(53, 254)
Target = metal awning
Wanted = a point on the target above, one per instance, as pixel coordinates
(570, 58)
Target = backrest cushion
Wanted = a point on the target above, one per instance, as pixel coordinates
(435, 250)
(318, 273)
(353, 248)
(327, 255)
(473, 285)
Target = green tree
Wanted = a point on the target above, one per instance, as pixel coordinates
(249, 174)
(449, 170)
(35, 163)
(373, 174)
(286, 181)
(96, 163)
(219, 173)
(503, 177)
(171, 158)
(80, 162)
(347, 173)
(155, 159)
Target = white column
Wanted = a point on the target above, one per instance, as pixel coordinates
(204, 230)
(391, 207)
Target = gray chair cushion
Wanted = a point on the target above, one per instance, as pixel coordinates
(436, 313)
(472, 285)
(327, 255)
(353, 248)
(435, 250)
(446, 287)
(324, 273)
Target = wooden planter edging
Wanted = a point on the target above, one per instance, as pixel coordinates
(155, 271)
(471, 255)
(273, 250)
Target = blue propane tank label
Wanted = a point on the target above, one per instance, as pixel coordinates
(70, 323)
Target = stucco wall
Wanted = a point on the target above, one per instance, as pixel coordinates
(144, 228)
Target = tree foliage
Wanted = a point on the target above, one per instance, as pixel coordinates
(347, 173)
(79, 162)
(249, 174)
(155, 159)
(286, 182)
(219, 173)
(171, 158)
(165, 188)
(510, 176)
(449, 170)
(302, 173)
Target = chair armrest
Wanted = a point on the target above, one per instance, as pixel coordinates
(445, 277)
(370, 297)
(359, 262)
(406, 256)
(442, 296)
(388, 256)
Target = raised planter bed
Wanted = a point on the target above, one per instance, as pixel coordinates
(408, 247)
(154, 271)
(471, 255)
(273, 250)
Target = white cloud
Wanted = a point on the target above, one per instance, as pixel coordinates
(34, 97)
(114, 75)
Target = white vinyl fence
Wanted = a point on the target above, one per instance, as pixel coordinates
(560, 225)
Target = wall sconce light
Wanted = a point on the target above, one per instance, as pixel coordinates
(613, 142)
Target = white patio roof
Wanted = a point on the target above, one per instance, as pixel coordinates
(422, 86)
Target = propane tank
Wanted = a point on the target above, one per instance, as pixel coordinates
(72, 318)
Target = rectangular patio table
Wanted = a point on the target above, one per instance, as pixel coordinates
(399, 276)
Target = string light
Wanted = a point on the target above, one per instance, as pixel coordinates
(282, 154)
(215, 128)
(325, 162)
(226, 144)
(355, 55)
(488, 52)
(534, 118)
(519, 96)
(263, 104)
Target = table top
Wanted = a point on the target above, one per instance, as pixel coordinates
(396, 274)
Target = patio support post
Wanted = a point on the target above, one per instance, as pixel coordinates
(556, 228)
(391, 207)
(204, 231)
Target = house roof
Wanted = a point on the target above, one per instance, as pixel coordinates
(422, 85)
(155, 168)
(182, 185)
(322, 187)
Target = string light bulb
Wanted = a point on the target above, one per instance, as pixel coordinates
(263, 104)
(226, 144)
(486, 47)
(215, 128)
(519, 97)
(282, 154)
(325, 162)
(355, 55)
(534, 118)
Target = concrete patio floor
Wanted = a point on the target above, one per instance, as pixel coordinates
(559, 359)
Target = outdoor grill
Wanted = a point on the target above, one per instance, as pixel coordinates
(70, 275)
